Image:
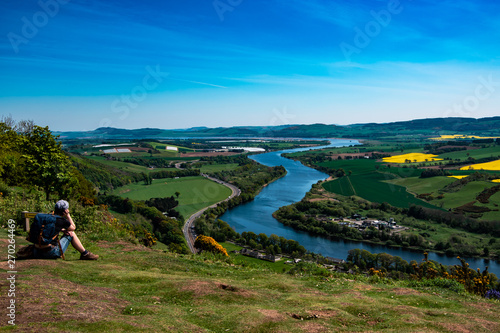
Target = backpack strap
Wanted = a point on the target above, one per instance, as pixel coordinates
(40, 237)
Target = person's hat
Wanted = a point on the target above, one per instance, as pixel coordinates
(61, 205)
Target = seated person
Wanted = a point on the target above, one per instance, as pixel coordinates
(63, 223)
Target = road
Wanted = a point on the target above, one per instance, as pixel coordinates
(188, 232)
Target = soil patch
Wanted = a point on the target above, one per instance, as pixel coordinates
(51, 299)
(203, 288)
(313, 327)
(405, 291)
(272, 315)
(126, 246)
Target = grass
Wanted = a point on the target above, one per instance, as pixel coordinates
(474, 153)
(195, 192)
(278, 267)
(356, 166)
(370, 184)
(419, 186)
(134, 289)
(206, 168)
(341, 186)
(466, 194)
(125, 166)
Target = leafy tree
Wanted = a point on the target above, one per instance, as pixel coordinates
(45, 159)
(11, 164)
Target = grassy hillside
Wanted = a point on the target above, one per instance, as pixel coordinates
(135, 289)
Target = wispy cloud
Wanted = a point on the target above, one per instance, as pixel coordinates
(197, 82)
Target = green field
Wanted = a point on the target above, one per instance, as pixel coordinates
(195, 192)
(125, 166)
(474, 153)
(357, 166)
(419, 186)
(370, 184)
(466, 194)
(206, 168)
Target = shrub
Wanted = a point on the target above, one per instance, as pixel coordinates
(205, 243)
(4, 189)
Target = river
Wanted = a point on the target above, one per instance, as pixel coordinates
(256, 216)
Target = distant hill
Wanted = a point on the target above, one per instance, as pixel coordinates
(425, 127)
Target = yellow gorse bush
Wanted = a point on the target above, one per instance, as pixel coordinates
(205, 243)
(475, 282)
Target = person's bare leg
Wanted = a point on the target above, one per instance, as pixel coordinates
(76, 242)
(85, 255)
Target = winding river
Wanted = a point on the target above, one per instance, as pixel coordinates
(256, 216)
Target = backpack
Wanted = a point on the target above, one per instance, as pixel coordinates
(43, 230)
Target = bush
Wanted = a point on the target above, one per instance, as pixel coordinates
(4, 189)
(205, 243)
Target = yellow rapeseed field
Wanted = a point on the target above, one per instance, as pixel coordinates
(496, 180)
(413, 157)
(461, 136)
(493, 165)
(457, 177)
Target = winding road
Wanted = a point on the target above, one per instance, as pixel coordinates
(188, 232)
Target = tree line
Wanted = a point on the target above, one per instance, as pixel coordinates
(166, 229)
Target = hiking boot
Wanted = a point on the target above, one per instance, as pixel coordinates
(89, 256)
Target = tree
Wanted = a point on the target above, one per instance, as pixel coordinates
(11, 163)
(45, 159)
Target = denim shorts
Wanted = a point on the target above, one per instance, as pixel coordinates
(55, 252)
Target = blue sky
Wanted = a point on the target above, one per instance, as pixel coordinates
(79, 65)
